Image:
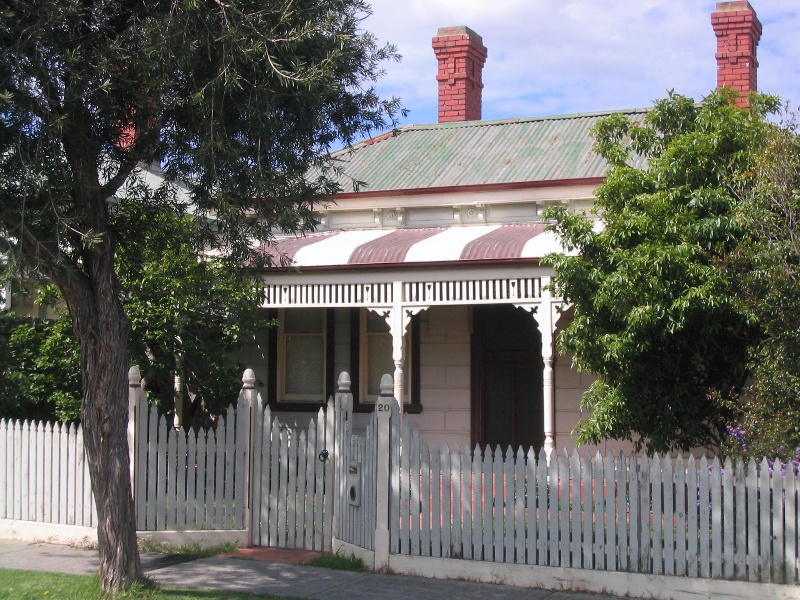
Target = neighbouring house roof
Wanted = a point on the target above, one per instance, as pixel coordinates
(476, 153)
(470, 245)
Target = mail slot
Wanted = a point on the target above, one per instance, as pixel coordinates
(354, 483)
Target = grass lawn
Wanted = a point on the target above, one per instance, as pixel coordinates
(339, 562)
(18, 585)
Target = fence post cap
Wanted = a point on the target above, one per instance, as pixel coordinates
(344, 382)
(249, 379)
(134, 376)
(387, 385)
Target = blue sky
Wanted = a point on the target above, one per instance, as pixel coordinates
(551, 57)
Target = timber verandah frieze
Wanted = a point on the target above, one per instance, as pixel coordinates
(412, 293)
(398, 298)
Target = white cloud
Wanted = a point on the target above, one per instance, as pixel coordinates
(552, 56)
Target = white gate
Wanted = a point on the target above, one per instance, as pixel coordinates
(293, 482)
(364, 471)
(356, 470)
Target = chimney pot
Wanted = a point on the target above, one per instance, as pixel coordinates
(461, 55)
(738, 32)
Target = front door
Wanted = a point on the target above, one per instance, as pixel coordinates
(506, 378)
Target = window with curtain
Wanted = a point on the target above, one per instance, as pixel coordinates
(302, 355)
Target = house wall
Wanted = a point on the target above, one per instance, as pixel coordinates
(341, 342)
(445, 363)
(453, 208)
(445, 376)
(24, 298)
(570, 386)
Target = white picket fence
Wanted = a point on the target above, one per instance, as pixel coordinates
(45, 477)
(250, 472)
(650, 515)
(654, 515)
(187, 480)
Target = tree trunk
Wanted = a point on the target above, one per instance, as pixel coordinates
(101, 327)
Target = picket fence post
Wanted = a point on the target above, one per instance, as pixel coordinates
(383, 407)
(251, 445)
(134, 387)
(342, 412)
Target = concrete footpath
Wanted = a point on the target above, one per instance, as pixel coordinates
(237, 574)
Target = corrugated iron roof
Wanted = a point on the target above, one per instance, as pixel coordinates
(476, 153)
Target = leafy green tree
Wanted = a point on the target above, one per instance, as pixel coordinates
(179, 306)
(236, 100)
(39, 369)
(654, 314)
(767, 268)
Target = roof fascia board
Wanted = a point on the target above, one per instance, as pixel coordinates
(482, 188)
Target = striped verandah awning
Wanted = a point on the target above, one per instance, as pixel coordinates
(456, 245)
(411, 269)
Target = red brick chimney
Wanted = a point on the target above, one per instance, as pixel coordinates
(461, 55)
(738, 31)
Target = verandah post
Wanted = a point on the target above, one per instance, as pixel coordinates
(383, 407)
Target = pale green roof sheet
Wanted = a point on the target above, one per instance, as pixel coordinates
(470, 153)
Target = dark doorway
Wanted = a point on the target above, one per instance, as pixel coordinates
(506, 378)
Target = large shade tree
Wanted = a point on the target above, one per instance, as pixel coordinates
(655, 311)
(766, 266)
(236, 100)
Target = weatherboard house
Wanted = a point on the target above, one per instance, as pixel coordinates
(430, 270)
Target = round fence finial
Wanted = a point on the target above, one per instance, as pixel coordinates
(249, 378)
(134, 376)
(344, 383)
(387, 385)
